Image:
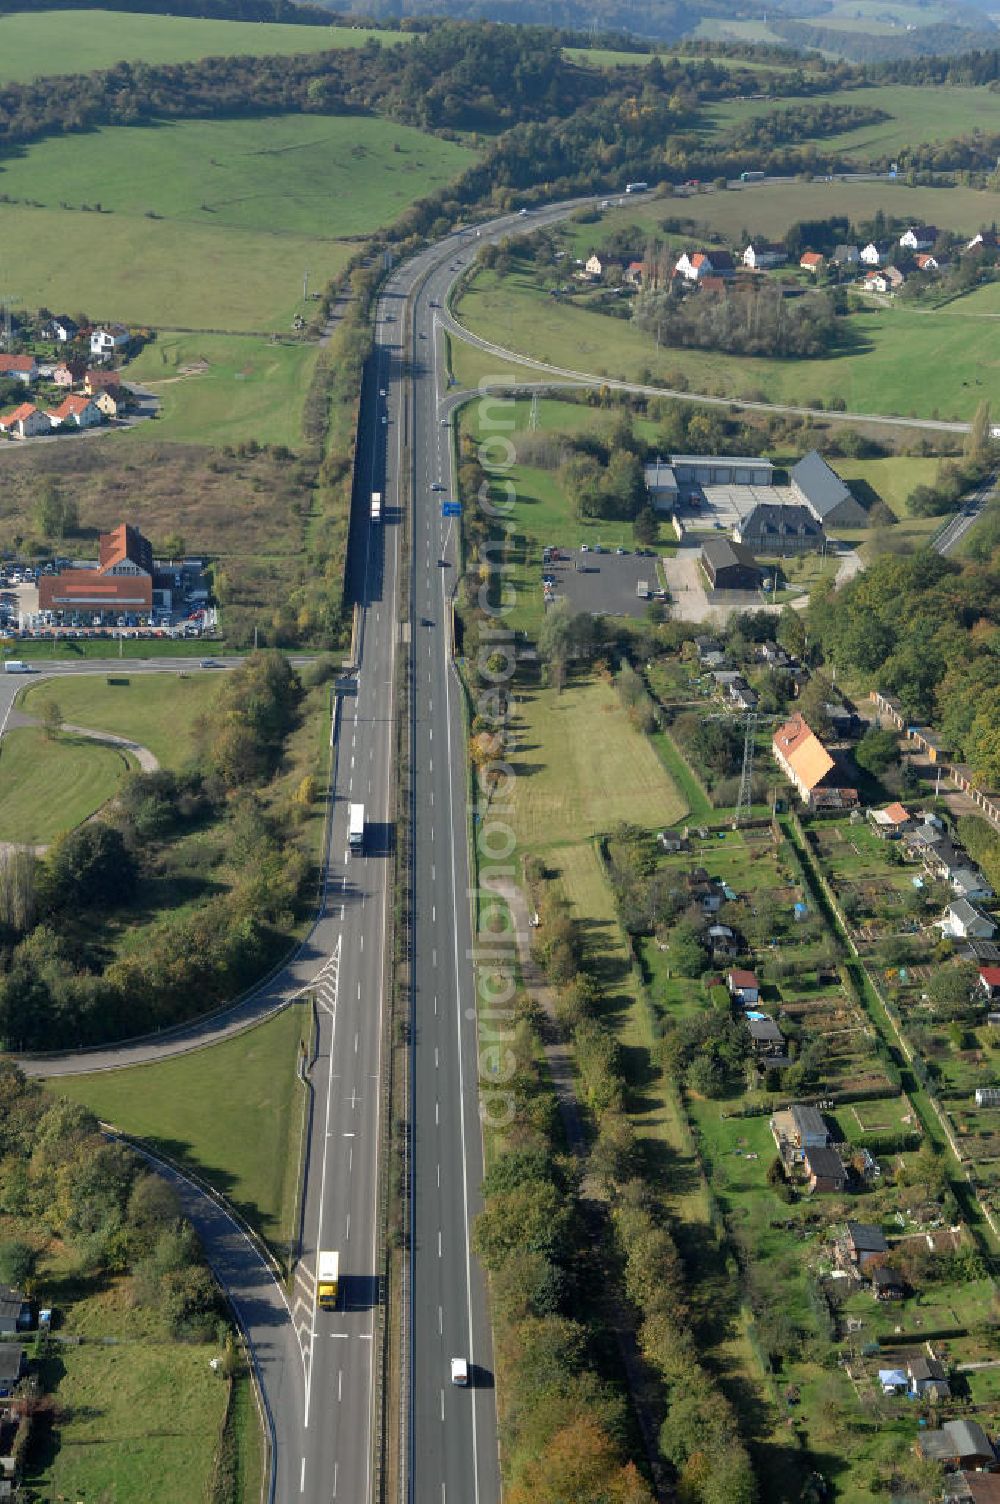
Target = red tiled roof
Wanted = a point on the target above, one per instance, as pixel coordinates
(17, 362)
(17, 414)
(83, 586)
(896, 812)
(69, 406)
(990, 975)
(743, 978)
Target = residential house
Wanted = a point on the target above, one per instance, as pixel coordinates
(889, 279)
(845, 255)
(972, 1488)
(672, 840)
(892, 1380)
(76, 411)
(62, 329)
(108, 341)
(918, 237)
(959, 1443)
(795, 1130)
(15, 1311)
(703, 890)
(986, 240)
(760, 256)
(925, 262)
(890, 823)
(864, 1246)
(694, 266)
(121, 583)
(744, 987)
(825, 1173)
(12, 1367)
(743, 696)
(707, 645)
(871, 254)
(594, 267)
(25, 421)
(812, 261)
(820, 489)
(767, 1039)
(887, 1284)
(729, 566)
(634, 274)
(95, 381)
(963, 920)
(989, 981)
(928, 1378)
(987, 1096)
(771, 528)
(68, 372)
(808, 765)
(716, 286)
(111, 404)
(22, 368)
(722, 942)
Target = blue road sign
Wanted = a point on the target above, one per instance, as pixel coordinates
(451, 509)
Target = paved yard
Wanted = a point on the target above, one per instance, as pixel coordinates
(604, 584)
(691, 600)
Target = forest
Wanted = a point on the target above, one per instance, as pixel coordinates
(927, 630)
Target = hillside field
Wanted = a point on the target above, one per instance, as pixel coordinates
(33, 46)
(209, 224)
(918, 116)
(957, 359)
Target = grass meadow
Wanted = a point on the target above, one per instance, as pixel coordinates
(209, 224)
(32, 45)
(137, 1420)
(47, 787)
(156, 710)
(230, 1112)
(224, 389)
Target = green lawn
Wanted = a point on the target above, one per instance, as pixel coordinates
(210, 224)
(157, 710)
(584, 768)
(223, 389)
(958, 360)
(47, 787)
(607, 57)
(891, 478)
(81, 41)
(232, 1112)
(918, 115)
(135, 1421)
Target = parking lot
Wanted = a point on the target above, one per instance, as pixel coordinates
(605, 584)
(180, 606)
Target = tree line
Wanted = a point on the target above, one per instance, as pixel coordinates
(755, 320)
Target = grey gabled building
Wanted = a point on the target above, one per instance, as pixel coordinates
(771, 528)
(821, 490)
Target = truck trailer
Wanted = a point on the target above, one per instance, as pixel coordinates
(328, 1281)
(356, 828)
(376, 506)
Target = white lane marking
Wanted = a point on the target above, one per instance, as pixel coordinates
(336, 1467)
(347, 1238)
(333, 1010)
(437, 1062)
(302, 1477)
(442, 1406)
(439, 1177)
(440, 1321)
(340, 1384)
(437, 1114)
(439, 1242)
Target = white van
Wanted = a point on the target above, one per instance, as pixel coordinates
(459, 1372)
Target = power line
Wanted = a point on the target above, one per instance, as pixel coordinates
(744, 799)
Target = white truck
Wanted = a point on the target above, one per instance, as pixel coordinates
(376, 506)
(16, 666)
(327, 1280)
(356, 829)
(642, 590)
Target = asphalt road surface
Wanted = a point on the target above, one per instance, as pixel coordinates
(952, 534)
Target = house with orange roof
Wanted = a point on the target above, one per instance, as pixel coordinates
(808, 765)
(25, 422)
(694, 266)
(76, 411)
(812, 261)
(890, 823)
